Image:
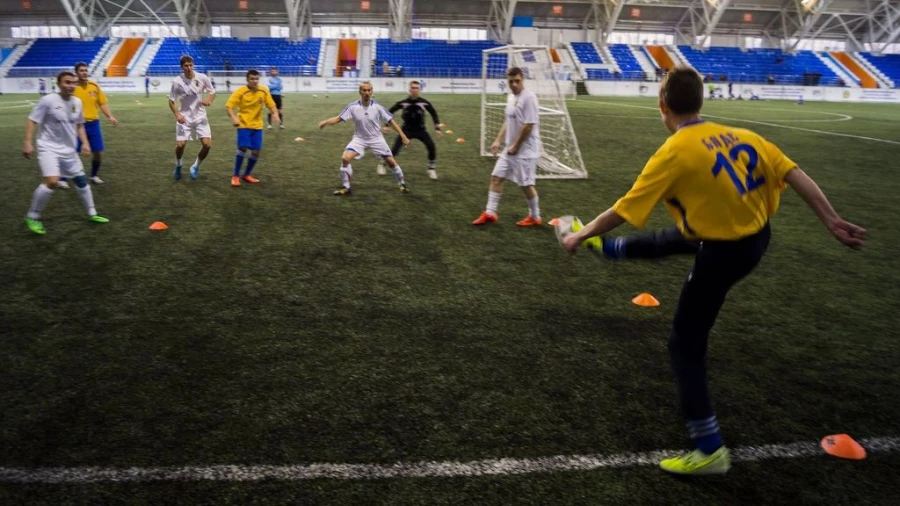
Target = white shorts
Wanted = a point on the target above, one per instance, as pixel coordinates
(55, 164)
(377, 146)
(521, 171)
(200, 129)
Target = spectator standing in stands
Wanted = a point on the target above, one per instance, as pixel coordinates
(146, 85)
(275, 88)
(414, 108)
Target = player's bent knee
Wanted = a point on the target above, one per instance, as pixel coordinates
(51, 182)
(180, 144)
(80, 181)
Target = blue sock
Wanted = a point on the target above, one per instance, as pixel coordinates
(95, 166)
(705, 434)
(238, 161)
(614, 248)
(250, 164)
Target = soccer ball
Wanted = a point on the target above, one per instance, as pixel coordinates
(315, 96)
(565, 225)
(568, 224)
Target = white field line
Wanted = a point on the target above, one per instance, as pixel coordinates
(837, 134)
(489, 467)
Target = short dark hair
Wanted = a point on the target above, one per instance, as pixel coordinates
(252, 72)
(515, 71)
(79, 65)
(682, 91)
(64, 73)
(417, 83)
(185, 59)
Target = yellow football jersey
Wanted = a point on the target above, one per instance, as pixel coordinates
(718, 182)
(92, 97)
(250, 105)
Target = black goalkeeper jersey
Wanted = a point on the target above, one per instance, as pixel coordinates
(414, 113)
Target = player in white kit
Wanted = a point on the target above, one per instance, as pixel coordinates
(61, 117)
(518, 162)
(191, 116)
(368, 116)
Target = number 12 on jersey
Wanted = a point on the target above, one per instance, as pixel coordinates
(750, 183)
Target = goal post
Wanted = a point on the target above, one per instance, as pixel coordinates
(560, 156)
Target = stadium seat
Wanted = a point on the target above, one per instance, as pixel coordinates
(210, 54)
(760, 66)
(438, 58)
(586, 52)
(631, 70)
(56, 55)
(889, 64)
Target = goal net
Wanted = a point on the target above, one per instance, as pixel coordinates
(560, 157)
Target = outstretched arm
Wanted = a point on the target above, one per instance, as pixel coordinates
(849, 234)
(330, 121)
(403, 138)
(602, 224)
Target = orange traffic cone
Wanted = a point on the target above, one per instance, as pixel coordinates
(448, 131)
(460, 140)
(645, 300)
(843, 446)
(158, 225)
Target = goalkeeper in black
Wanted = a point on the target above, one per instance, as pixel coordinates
(414, 108)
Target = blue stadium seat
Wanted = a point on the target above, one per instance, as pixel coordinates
(586, 52)
(438, 58)
(631, 70)
(57, 54)
(889, 64)
(758, 65)
(210, 54)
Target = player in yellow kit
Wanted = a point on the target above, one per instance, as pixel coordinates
(94, 100)
(721, 184)
(249, 100)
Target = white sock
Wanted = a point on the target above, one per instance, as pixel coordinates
(398, 173)
(179, 161)
(39, 201)
(493, 202)
(197, 161)
(346, 174)
(87, 199)
(533, 207)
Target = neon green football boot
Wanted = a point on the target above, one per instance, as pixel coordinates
(35, 226)
(98, 219)
(594, 243)
(699, 463)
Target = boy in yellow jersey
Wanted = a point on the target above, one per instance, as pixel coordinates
(721, 184)
(94, 101)
(249, 100)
